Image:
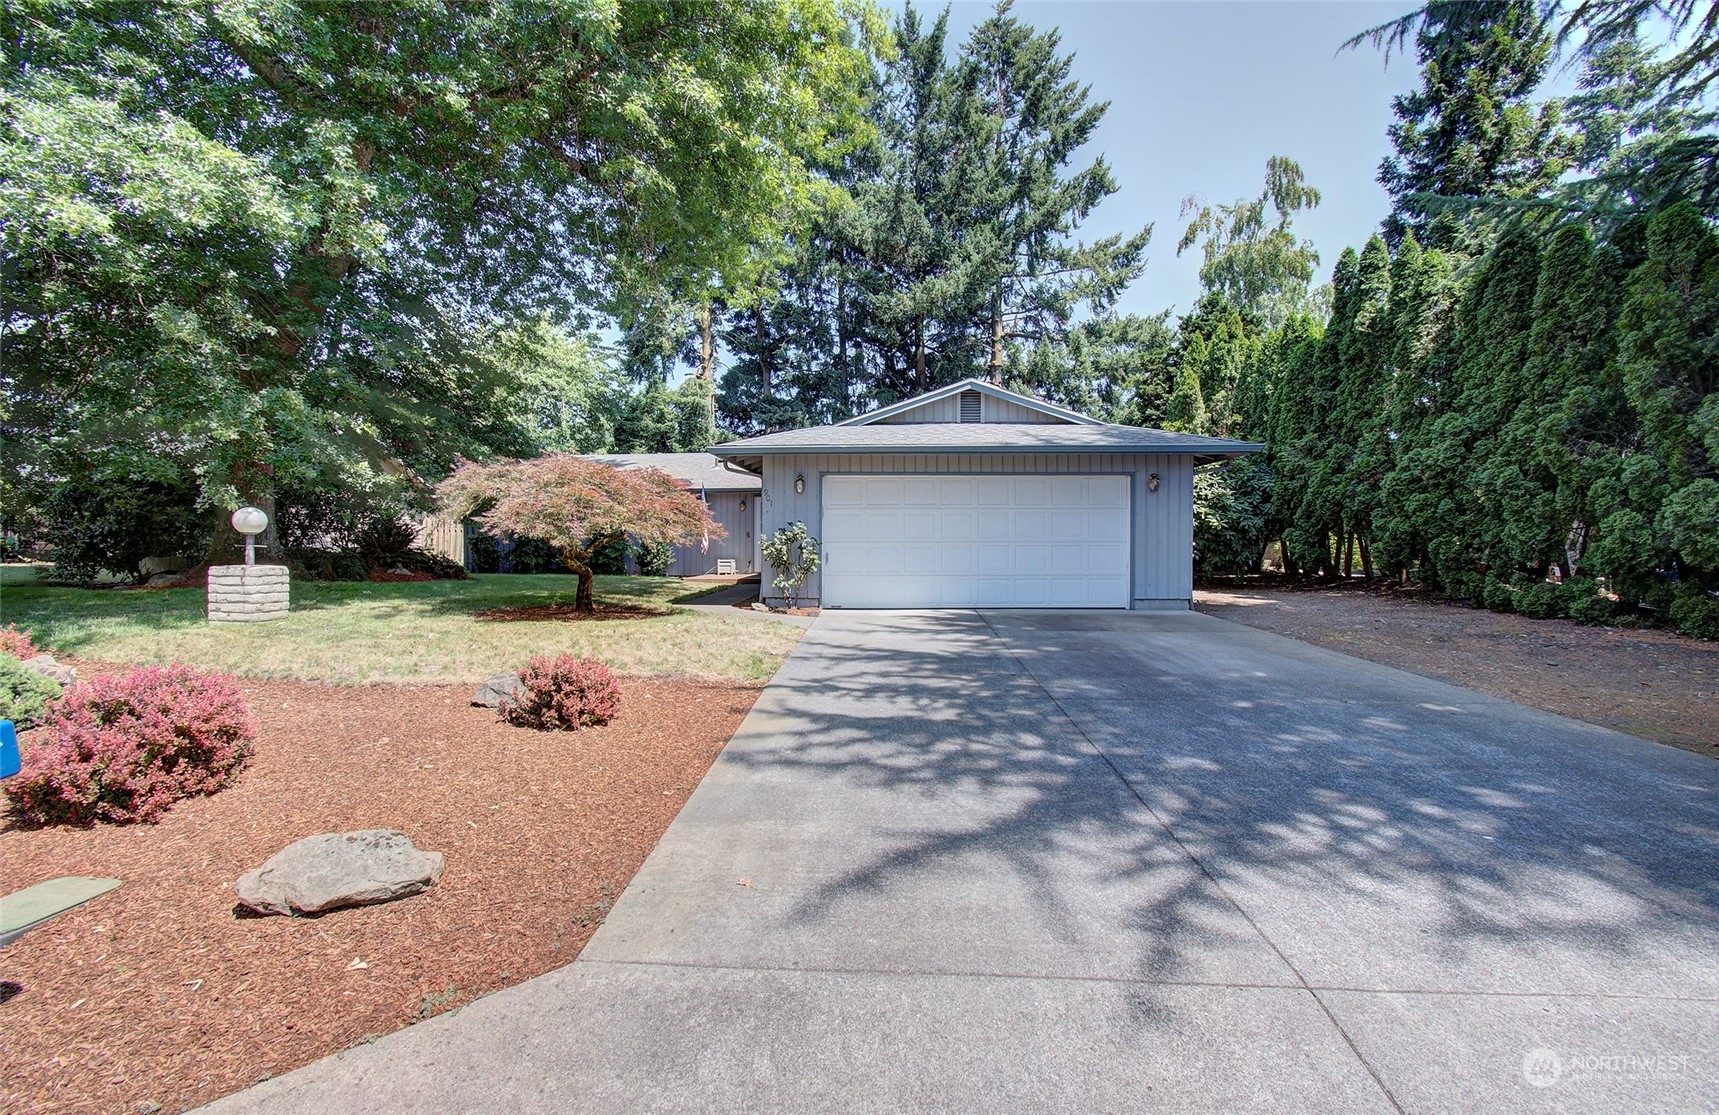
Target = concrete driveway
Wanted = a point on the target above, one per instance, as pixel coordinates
(1030, 861)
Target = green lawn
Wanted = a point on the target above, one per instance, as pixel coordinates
(357, 633)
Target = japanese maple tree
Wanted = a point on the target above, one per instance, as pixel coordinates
(577, 506)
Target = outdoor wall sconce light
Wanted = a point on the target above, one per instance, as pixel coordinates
(742, 505)
(799, 484)
(250, 522)
(1152, 482)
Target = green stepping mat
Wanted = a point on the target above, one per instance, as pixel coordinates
(30, 907)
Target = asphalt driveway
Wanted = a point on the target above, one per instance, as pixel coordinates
(1031, 861)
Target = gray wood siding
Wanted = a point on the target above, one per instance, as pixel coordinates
(739, 544)
(949, 410)
(937, 410)
(1163, 521)
(1002, 410)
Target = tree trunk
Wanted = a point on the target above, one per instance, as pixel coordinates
(706, 345)
(1348, 554)
(226, 545)
(919, 355)
(763, 357)
(1574, 544)
(578, 561)
(1366, 560)
(995, 371)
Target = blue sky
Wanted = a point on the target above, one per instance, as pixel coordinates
(1202, 94)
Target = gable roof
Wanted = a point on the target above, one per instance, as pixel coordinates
(982, 437)
(1073, 432)
(699, 470)
(1059, 414)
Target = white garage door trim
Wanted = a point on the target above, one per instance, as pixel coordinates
(939, 540)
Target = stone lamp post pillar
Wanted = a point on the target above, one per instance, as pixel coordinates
(248, 593)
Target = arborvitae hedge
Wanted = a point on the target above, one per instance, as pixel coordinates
(1536, 429)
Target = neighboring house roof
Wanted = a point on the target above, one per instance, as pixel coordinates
(1051, 410)
(702, 471)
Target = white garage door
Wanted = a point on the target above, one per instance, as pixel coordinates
(975, 542)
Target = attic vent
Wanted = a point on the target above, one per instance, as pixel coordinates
(969, 406)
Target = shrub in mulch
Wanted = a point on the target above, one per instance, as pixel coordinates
(124, 749)
(24, 694)
(17, 643)
(564, 693)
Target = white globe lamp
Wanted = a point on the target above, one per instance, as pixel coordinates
(250, 522)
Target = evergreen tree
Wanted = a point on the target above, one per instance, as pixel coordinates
(1361, 452)
(1186, 411)
(1022, 119)
(1471, 130)
(1669, 339)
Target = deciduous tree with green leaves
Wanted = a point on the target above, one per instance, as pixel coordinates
(240, 238)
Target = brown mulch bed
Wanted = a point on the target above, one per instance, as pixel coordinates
(389, 577)
(161, 992)
(1654, 684)
(569, 612)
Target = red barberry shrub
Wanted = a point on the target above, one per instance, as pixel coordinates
(17, 643)
(123, 749)
(564, 693)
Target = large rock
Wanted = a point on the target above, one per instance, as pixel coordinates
(339, 869)
(154, 566)
(49, 668)
(502, 689)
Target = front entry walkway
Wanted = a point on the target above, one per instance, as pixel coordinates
(1060, 861)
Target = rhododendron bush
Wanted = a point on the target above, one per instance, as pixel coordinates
(123, 749)
(577, 506)
(564, 693)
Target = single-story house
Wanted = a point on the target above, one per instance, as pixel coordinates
(974, 496)
(730, 493)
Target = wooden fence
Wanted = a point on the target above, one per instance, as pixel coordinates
(444, 536)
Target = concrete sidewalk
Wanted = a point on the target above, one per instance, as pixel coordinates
(1118, 861)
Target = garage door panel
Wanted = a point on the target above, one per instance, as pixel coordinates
(1068, 557)
(926, 541)
(957, 561)
(843, 491)
(920, 491)
(1031, 526)
(957, 525)
(1030, 592)
(1069, 491)
(1106, 526)
(1031, 491)
(1107, 559)
(919, 525)
(883, 559)
(922, 558)
(883, 493)
(1068, 524)
(955, 491)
